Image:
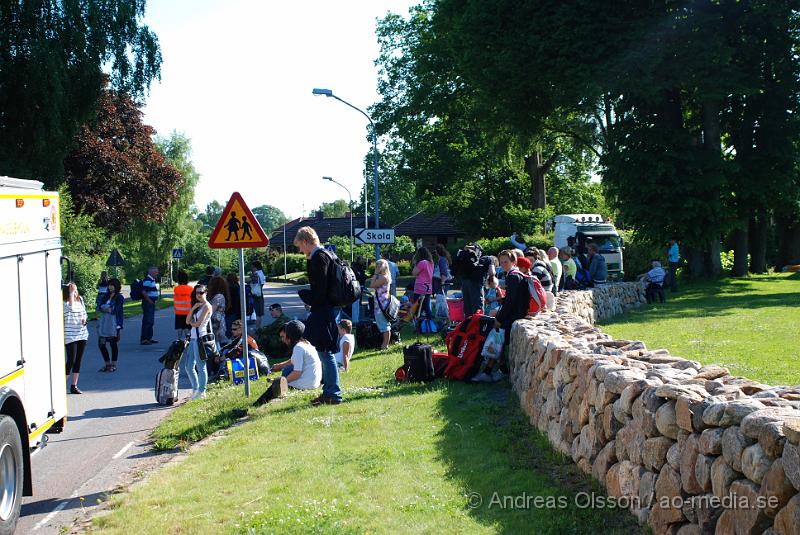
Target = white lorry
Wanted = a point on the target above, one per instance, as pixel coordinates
(33, 393)
(579, 230)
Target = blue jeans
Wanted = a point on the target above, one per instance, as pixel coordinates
(148, 320)
(287, 370)
(195, 368)
(330, 376)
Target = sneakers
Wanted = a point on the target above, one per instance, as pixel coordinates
(325, 400)
(73, 389)
(482, 378)
(497, 375)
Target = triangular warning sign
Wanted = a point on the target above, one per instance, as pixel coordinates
(237, 227)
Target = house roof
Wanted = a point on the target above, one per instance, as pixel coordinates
(325, 228)
(422, 224)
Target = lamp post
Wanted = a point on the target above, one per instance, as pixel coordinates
(351, 213)
(329, 93)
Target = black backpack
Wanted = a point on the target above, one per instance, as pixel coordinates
(467, 260)
(343, 287)
(418, 362)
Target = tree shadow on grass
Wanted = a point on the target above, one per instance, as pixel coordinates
(512, 478)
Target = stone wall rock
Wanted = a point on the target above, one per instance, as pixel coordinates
(682, 438)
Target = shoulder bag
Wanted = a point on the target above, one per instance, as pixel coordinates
(206, 346)
(392, 308)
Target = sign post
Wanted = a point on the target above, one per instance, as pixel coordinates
(177, 254)
(238, 228)
(115, 260)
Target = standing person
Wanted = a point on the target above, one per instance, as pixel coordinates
(182, 295)
(235, 309)
(394, 271)
(219, 298)
(199, 321)
(442, 268)
(109, 328)
(674, 260)
(359, 270)
(473, 283)
(257, 280)
(75, 333)
(598, 271)
(423, 283)
(320, 329)
(381, 283)
(540, 267)
(149, 298)
(204, 280)
(558, 269)
(102, 289)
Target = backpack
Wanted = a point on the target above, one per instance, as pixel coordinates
(538, 297)
(343, 288)
(465, 344)
(467, 259)
(172, 357)
(137, 288)
(417, 364)
(167, 386)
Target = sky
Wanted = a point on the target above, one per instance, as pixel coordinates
(237, 77)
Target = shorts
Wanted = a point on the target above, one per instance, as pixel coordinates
(258, 305)
(180, 321)
(383, 324)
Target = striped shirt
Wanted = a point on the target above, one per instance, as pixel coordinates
(74, 316)
(150, 287)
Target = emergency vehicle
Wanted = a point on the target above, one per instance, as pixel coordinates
(33, 393)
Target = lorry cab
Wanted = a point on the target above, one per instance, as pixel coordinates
(579, 230)
(33, 393)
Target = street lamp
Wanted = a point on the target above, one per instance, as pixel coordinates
(329, 93)
(351, 213)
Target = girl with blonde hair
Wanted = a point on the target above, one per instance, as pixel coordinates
(382, 283)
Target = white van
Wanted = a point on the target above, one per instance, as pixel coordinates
(591, 228)
(33, 392)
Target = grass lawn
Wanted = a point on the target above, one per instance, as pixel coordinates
(406, 458)
(134, 308)
(748, 325)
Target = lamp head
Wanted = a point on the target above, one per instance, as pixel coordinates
(318, 91)
(330, 179)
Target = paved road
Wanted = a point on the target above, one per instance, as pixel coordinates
(106, 436)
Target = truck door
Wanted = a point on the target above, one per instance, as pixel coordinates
(34, 315)
(11, 356)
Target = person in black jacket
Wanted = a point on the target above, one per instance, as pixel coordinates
(517, 299)
(320, 328)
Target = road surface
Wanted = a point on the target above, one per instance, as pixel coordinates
(106, 436)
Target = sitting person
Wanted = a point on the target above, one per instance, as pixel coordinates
(540, 267)
(233, 349)
(302, 371)
(347, 344)
(570, 269)
(598, 271)
(269, 335)
(655, 282)
(493, 296)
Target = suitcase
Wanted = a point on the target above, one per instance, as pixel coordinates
(167, 386)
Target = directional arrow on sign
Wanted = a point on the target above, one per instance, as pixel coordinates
(363, 236)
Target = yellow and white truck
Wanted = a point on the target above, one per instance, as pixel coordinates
(33, 394)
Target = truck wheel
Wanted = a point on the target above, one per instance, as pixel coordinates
(11, 473)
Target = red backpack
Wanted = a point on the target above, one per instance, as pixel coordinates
(538, 300)
(464, 346)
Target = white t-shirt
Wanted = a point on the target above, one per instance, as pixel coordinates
(340, 354)
(306, 360)
(257, 280)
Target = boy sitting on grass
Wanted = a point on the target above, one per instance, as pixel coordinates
(303, 371)
(347, 344)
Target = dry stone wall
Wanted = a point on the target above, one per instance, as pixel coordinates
(603, 302)
(692, 448)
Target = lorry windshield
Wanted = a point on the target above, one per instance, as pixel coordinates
(606, 243)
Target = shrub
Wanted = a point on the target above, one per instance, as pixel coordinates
(404, 266)
(493, 246)
(294, 262)
(639, 252)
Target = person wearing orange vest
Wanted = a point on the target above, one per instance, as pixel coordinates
(183, 304)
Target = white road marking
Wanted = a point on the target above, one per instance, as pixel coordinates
(125, 448)
(54, 512)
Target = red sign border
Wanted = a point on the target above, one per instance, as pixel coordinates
(221, 224)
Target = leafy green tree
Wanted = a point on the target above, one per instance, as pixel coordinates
(210, 216)
(85, 244)
(337, 208)
(53, 54)
(269, 217)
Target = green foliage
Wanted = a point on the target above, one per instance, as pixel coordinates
(493, 246)
(404, 266)
(269, 217)
(295, 262)
(85, 244)
(56, 58)
(639, 251)
(342, 244)
(337, 208)
(403, 245)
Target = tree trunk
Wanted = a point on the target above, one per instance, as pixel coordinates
(696, 260)
(759, 226)
(788, 241)
(740, 250)
(535, 170)
(713, 260)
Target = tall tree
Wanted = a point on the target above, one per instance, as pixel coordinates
(52, 56)
(337, 208)
(116, 173)
(269, 217)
